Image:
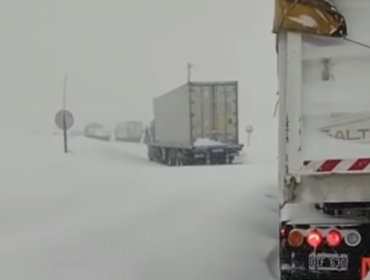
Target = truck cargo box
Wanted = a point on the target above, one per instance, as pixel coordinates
(130, 131)
(324, 93)
(204, 113)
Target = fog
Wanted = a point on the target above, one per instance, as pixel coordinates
(121, 54)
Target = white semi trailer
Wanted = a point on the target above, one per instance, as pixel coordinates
(196, 123)
(129, 131)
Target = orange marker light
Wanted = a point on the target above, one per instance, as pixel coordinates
(295, 238)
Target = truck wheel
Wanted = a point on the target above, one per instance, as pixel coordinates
(151, 154)
(171, 157)
(220, 160)
(150, 157)
(230, 160)
(179, 158)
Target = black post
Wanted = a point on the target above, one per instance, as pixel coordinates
(65, 135)
(189, 68)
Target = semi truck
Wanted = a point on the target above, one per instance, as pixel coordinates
(196, 123)
(323, 57)
(130, 131)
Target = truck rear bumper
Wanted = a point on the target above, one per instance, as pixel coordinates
(325, 262)
(235, 149)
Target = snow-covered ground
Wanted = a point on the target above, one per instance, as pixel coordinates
(105, 212)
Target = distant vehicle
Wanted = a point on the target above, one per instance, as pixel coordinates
(97, 131)
(196, 123)
(130, 131)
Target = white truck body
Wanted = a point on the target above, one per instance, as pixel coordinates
(324, 112)
(129, 131)
(197, 113)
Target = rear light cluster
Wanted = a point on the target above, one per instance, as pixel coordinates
(315, 238)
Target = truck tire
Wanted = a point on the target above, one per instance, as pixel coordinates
(230, 160)
(179, 158)
(151, 154)
(150, 157)
(171, 157)
(223, 160)
(185, 160)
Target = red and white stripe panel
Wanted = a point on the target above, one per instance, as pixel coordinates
(337, 166)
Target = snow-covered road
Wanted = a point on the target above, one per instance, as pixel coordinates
(104, 212)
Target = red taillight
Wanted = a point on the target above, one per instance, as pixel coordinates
(334, 238)
(314, 239)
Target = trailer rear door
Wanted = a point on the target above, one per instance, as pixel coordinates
(214, 111)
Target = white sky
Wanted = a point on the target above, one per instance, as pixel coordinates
(119, 54)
